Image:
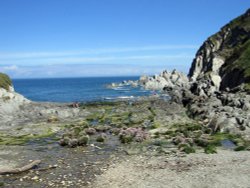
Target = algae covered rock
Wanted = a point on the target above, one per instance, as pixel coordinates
(83, 140)
(90, 131)
(133, 134)
(101, 138)
(53, 119)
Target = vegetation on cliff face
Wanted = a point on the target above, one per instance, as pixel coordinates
(232, 44)
(237, 58)
(5, 81)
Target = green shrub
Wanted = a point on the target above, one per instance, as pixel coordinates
(210, 149)
(126, 139)
(5, 81)
(155, 125)
(186, 148)
(240, 148)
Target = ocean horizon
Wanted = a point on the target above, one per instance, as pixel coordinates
(80, 89)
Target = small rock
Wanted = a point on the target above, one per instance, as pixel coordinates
(64, 141)
(73, 143)
(115, 131)
(246, 106)
(53, 119)
(83, 140)
(240, 120)
(90, 131)
(101, 138)
(35, 178)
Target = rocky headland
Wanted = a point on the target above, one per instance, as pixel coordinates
(216, 89)
(137, 143)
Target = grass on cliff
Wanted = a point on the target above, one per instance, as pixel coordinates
(243, 62)
(5, 81)
(236, 46)
(242, 21)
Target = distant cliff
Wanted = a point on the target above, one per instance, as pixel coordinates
(224, 58)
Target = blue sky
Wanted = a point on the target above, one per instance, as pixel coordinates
(77, 38)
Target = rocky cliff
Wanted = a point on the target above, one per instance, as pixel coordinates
(10, 101)
(224, 58)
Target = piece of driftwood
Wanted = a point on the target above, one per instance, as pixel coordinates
(46, 168)
(19, 170)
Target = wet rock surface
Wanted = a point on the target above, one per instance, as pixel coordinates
(75, 148)
(60, 167)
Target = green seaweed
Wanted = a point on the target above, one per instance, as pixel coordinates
(152, 111)
(126, 139)
(210, 149)
(23, 139)
(155, 125)
(158, 142)
(215, 139)
(186, 148)
(240, 148)
(100, 138)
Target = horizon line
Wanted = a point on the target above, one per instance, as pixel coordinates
(103, 76)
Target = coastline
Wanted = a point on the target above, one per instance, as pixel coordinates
(37, 138)
(198, 138)
(79, 144)
(93, 164)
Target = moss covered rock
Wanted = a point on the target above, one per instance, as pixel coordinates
(101, 138)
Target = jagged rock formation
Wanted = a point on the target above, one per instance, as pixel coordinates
(222, 62)
(224, 58)
(165, 79)
(220, 80)
(158, 81)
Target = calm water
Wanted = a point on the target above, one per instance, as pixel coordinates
(75, 89)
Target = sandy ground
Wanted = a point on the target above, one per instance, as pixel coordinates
(224, 169)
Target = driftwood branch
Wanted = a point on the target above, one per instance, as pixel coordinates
(46, 168)
(21, 169)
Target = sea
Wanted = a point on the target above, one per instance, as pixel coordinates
(77, 89)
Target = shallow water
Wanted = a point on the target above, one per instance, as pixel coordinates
(74, 167)
(228, 144)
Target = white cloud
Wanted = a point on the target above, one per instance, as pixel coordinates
(89, 70)
(27, 55)
(100, 60)
(9, 68)
(97, 62)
